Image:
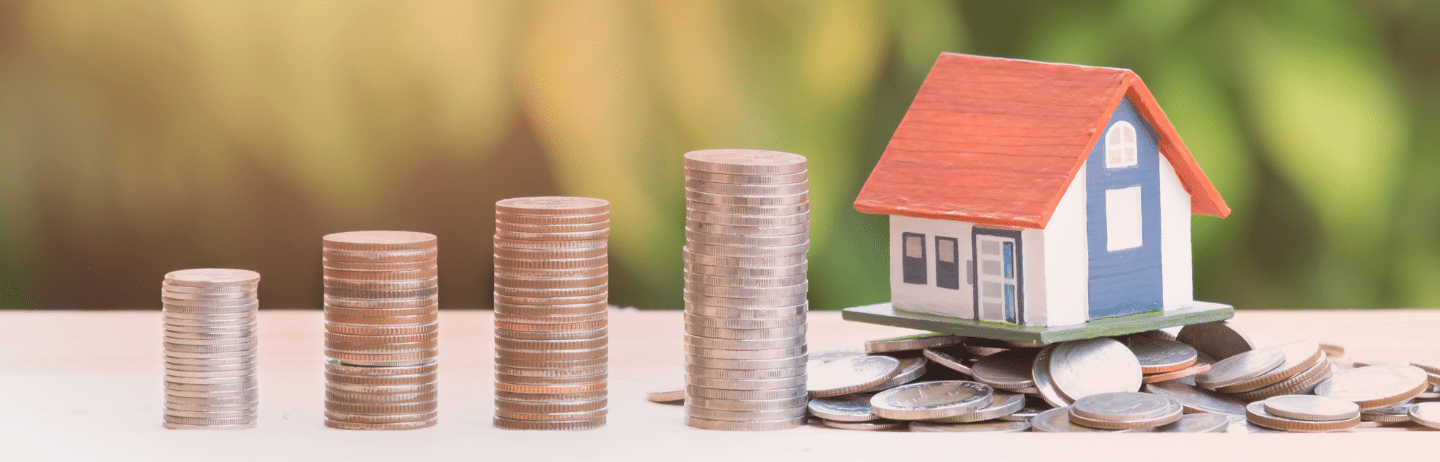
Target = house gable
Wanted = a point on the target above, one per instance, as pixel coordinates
(996, 141)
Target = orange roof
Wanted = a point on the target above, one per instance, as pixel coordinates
(997, 141)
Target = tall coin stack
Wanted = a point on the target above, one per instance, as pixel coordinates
(381, 330)
(551, 295)
(747, 224)
(210, 349)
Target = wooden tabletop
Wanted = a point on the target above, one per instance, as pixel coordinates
(87, 386)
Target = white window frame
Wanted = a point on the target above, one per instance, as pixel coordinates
(1120, 147)
(1124, 222)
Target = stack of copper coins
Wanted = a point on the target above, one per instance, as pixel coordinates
(747, 218)
(551, 296)
(381, 330)
(210, 348)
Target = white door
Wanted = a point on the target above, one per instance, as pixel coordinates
(997, 279)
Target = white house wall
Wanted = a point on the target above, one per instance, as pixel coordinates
(1067, 266)
(1178, 289)
(929, 298)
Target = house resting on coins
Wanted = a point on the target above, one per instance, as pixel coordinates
(1037, 202)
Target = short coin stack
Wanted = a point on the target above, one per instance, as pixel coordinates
(210, 348)
(551, 300)
(746, 235)
(381, 330)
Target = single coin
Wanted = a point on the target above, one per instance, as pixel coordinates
(555, 287)
(382, 304)
(746, 178)
(571, 244)
(1044, 382)
(786, 404)
(1159, 355)
(912, 342)
(380, 241)
(1196, 399)
(425, 257)
(552, 205)
(745, 334)
(744, 374)
(413, 284)
(553, 425)
(1373, 387)
(1189, 371)
(847, 408)
(953, 358)
(218, 297)
(1394, 413)
(742, 416)
(754, 425)
(505, 413)
(553, 355)
(766, 393)
(557, 407)
(377, 266)
(931, 400)
(1086, 367)
(212, 277)
(424, 387)
(766, 262)
(551, 219)
(353, 294)
(1255, 413)
(732, 344)
(167, 287)
(554, 321)
(1299, 356)
(1124, 406)
(850, 375)
(571, 344)
(341, 425)
(380, 419)
(1007, 370)
(740, 324)
(974, 427)
(744, 162)
(752, 210)
(874, 425)
(692, 236)
(910, 369)
(742, 281)
(551, 363)
(1218, 339)
(747, 189)
(1311, 407)
(1057, 420)
(551, 227)
(564, 237)
(747, 272)
(1001, 405)
(1241, 366)
(749, 364)
(764, 314)
(742, 384)
(668, 394)
(1196, 423)
(1427, 414)
(362, 275)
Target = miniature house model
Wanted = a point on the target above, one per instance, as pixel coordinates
(1037, 202)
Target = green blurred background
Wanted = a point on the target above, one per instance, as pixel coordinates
(138, 138)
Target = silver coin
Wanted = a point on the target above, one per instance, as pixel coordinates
(1196, 399)
(744, 374)
(746, 199)
(798, 269)
(729, 239)
(1311, 407)
(954, 359)
(1058, 421)
(1196, 423)
(747, 189)
(746, 178)
(931, 400)
(1086, 367)
(777, 353)
(1006, 370)
(181, 426)
(740, 384)
(767, 425)
(1000, 426)
(1044, 382)
(1427, 414)
(1159, 355)
(1394, 413)
(242, 288)
(1371, 387)
(668, 394)
(847, 408)
(1240, 367)
(747, 251)
(732, 344)
(850, 375)
(1025, 414)
(1001, 405)
(748, 364)
(721, 393)
(745, 334)
(776, 405)
(1217, 339)
(1255, 412)
(220, 297)
(874, 425)
(1240, 424)
(744, 162)
(743, 281)
(764, 314)
(754, 302)
(742, 416)
(212, 277)
(747, 230)
(909, 370)
(1123, 406)
(1299, 356)
(729, 323)
(748, 210)
(766, 262)
(912, 342)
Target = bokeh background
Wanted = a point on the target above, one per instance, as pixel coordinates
(140, 137)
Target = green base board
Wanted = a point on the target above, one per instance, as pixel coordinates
(1195, 313)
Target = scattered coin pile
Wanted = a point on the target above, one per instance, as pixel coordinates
(381, 330)
(747, 215)
(1094, 385)
(210, 344)
(551, 299)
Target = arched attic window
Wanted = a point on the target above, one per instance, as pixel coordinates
(1120, 145)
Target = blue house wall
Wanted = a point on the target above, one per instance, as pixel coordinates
(1125, 281)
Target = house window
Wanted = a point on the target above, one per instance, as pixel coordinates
(947, 263)
(912, 258)
(1122, 219)
(1120, 145)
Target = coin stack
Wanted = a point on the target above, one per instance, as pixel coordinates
(747, 223)
(210, 348)
(381, 330)
(551, 300)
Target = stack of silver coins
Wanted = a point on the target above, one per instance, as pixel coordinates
(381, 330)
(747, 224)
(551, 299)
(210, 346)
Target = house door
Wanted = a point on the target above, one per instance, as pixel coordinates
(997, 275)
